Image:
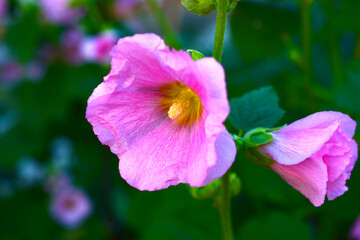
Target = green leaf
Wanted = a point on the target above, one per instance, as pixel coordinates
(196, 55)
(258, 108)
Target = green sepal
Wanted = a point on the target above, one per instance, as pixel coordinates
(238, 141)
(196, 55)
(257, 137)
(231, 5)
(257, 157)
(208, 191)
(201, 7)
(235, 184)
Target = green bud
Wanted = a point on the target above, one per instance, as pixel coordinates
(231, 5)
(196, 55)
(235, 184)
(257, 157)
(238, 140)
(208, 191)
(257, 137)
(201, 7)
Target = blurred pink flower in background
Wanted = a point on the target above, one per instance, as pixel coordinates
(11, 72)
(35, 71)
(3, 9)
(97, 48)
(70, 207)
(315, 154)
(71, 43)
(125, 9)
(61, 12)
(355, 230)
(162, 113)
(57, 182)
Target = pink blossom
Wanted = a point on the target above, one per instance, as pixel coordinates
(126, 8)
(97, 48)
(70, 207)
(162, 114)
(315, 154)
(35, 70)
(11, 72)
(3, 8)
(355, 230)
(71, 43)
(60, 11)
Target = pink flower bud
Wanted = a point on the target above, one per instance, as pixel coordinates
(315, 154)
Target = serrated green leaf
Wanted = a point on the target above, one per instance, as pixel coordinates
(258, 108)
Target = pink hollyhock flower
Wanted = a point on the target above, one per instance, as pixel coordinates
(70, 207)
(315, 154)
(355, 230)
(162, 113)
(97, 49)
(60, 11)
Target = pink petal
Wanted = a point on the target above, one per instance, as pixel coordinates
(323, 119)
(337, 187)
(225, 154)
(135, 63)
(120, 120)
(291, 146)
(308, 177)
(354, 156)
(161, 158)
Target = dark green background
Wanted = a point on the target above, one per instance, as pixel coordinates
(262, 38)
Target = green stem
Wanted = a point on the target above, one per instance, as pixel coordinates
(333, 44)
(357, 48)
(225, 207)
(306, 40)
(164, 24)
(220, 29)
(225, 203)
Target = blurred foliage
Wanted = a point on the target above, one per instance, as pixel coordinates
(262, 48)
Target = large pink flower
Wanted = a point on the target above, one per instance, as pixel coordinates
(162, 113)
(315, 154)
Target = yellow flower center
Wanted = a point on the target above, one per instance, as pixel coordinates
(180, 103)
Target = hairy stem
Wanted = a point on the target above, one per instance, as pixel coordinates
(220, 29)
(306, 41)
(225, 207)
